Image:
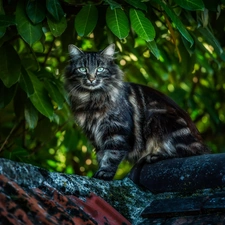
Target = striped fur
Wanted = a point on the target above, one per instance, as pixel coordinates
(125, 120)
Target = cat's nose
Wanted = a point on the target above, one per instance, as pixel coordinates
(91, 78)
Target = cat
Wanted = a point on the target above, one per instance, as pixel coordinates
(125, 120)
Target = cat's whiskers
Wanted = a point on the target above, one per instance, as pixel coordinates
(75, 89)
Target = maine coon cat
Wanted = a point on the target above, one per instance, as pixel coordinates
(125, 120)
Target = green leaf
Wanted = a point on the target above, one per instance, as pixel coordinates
(55, 9)
(113, 4)
(57, 28)
(117, 22)
(6, 94)
(177, 22)
(7, 20)
(29, 32)
(191, 4)
(31, 115)
(26, 83)
(153, 48)
(9, 73)
(141, 25)
(190, 49)
(40, 98)
(208, 35)
(54, 93)
(35, 11)
(86, 20)
(137, 4)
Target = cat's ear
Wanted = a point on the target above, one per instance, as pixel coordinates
(109, 51)
(74, 51)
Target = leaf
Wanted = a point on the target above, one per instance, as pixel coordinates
(86, 20)
(117, 22)
(153, 48)
(40, 98)
(29, 32)
(9, 73)
(141, 25)
(208, 35)
(31, 115)
(113, 4)
(191, 49)
(54, 93)
(191, 4)
(26, 83)
(55, 9)
(43, 74)
(177, 22)
(57, 28)
(7, 20)
(6, 94)
(137, 4)
(35, 11)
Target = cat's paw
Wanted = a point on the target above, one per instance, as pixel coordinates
(104, 175)
(154, 158)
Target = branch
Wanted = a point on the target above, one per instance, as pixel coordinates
(7, 138)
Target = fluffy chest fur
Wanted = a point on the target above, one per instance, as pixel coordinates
(105, 119)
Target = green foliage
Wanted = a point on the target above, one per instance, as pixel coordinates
(86, 20)
(35, 11)
(178, 23)
(191, 5)
(55, 9)
(141, 25)
(9, 74)
(169, 45)
(27, 30)
(57, 28)
(117, 22)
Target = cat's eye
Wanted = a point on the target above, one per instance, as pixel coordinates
(82, 69)
(100, 69)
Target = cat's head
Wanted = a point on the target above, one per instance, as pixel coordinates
(92, 71)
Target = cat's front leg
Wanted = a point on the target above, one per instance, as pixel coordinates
(108, 163)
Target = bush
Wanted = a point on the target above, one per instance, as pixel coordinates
(174, 46)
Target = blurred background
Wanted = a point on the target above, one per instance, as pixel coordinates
(176, 47)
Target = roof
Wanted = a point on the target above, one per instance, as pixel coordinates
(175, 191)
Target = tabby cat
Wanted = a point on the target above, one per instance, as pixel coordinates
(125, 120)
